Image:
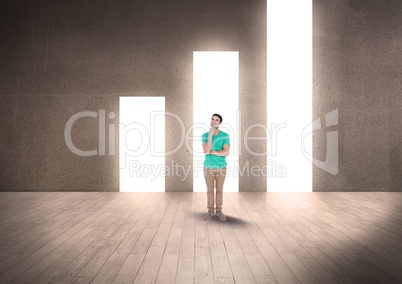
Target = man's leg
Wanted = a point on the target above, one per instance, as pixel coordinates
(210, 180)
(220, 179)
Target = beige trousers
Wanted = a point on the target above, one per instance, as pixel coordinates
(214, 178)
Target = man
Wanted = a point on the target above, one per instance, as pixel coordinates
(216, 147)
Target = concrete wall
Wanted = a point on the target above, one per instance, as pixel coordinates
(358, 70)
(62, 57)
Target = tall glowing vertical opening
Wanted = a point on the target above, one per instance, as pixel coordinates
(289, 93)
(142, 144)
(216, 90)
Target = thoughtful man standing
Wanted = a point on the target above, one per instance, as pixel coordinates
(216, 147)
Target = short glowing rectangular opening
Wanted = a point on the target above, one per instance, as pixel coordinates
(142, 144)
(216, 90)
(289, 93)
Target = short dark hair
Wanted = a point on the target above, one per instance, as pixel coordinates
(218, 115)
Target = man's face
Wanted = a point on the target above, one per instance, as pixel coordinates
(215, 122)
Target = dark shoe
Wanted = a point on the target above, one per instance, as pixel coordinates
(221, 216)
(208, 215)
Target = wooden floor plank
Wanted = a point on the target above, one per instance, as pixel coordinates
(109, 237)
(150, 267)
(260, 270)
(186, 264)
(355, 253)
(241, 270)
(61, 235)
(203, 265)
(167, 270)
(220, 260)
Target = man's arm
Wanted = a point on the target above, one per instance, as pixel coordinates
(224, 152)
(207, 146)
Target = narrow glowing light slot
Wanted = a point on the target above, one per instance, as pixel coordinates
(289, 94)
(216, 90)
(142, 144)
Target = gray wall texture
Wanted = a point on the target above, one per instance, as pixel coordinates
(62, 57)
(59, 58)
(357, 66)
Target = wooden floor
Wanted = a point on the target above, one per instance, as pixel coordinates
(162, 238)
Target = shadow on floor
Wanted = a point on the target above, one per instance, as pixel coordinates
(229, 219)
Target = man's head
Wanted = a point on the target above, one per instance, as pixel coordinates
(216, 120)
